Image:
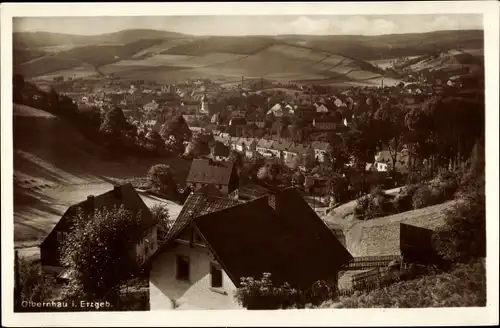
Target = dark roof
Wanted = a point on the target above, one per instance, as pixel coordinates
(292, 243)
(204, 171)
(198, 204)
(252, 191)
(211, 190)
(219, 149)
(124, 195)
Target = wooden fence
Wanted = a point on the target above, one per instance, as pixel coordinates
(368, 262)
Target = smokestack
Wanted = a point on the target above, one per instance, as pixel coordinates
(90, 202)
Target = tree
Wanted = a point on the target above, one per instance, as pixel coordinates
(392, 131)
(298, 178)
(237, 159)
(161, 215)
(156, 141)
(174, 145)
(114, 125)
(97, 254)
(198, 146)
(178, 128)
(464, 236)
(162, 179)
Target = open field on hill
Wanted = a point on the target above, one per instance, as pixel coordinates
(83, 71)
(303, 57)
(55, 167)
(281, 63)
(46, 64)
(161, 47)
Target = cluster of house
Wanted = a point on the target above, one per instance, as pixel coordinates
(221, 236)
(287, 152)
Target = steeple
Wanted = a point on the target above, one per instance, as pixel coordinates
(204, 104)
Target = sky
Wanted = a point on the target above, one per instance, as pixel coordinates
(254, 25)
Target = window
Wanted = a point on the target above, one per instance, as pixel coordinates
(62, 236)
(182, 267)
(215, 275)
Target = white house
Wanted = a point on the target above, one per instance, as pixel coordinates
(320, 150)
(212, 245)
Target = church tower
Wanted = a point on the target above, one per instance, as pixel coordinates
(204, 104)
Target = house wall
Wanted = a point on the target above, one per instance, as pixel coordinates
(165, 289)
(147, 245)
(197, 186)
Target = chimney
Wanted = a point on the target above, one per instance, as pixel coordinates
(90, 202)
(271, 199)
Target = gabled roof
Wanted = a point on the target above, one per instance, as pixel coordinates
(320, 145)
(252, 191)
(292, 243)
(203, 171)
(281, 145)
(299, 148)
(196, 204)
(265, 143)
(124, 195)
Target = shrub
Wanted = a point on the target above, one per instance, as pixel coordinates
(96, 254)
(262, 294)
(160, 215)
(464, 235)
(162, 179)
(465, 285)
(376, 204)
(403, 201)
(362, 207)
(424, 197)
(33, 284)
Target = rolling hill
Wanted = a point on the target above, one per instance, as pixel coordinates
(169, 57)
(55, 166)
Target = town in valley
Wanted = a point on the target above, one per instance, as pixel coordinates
(160, 170)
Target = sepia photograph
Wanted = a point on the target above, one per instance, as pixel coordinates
(313, 161)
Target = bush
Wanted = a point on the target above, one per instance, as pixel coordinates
(465, 285)
(96, 254)
(376, 204)
(424, 196)
(403, 201)
(262, 294)
(162, 179)
(34, 285)
(464, 235)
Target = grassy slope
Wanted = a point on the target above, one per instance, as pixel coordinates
(300, 59)
(343, 217)
(55, 167)
(463, 286)
(279, 62)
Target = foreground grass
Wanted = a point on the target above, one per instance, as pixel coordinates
(464, 286)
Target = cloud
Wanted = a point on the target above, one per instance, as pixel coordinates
(443, 23)
(383, 26)
(306, 25)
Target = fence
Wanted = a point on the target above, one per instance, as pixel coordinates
(367, 262)
(368, 281)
